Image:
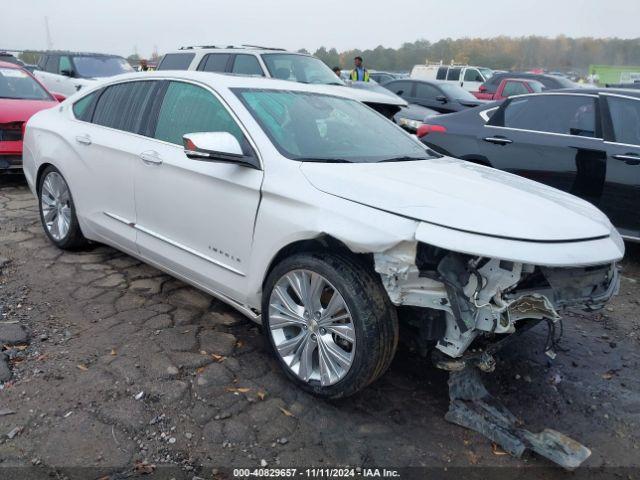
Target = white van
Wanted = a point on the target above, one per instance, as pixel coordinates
(468, 77)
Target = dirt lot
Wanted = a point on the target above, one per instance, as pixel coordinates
(126, 364)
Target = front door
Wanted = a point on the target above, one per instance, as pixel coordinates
(621, 195)
(196, 217)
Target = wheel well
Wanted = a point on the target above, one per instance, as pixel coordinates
(39, 174)
(323, 243)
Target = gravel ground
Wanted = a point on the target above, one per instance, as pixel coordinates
(127, 368)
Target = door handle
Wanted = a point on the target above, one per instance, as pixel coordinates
(498, 140)
(83, 139)
(151, 157)
(628, 159)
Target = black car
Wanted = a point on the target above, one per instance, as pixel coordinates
(550, 82)
(443, 97)
(582, 141)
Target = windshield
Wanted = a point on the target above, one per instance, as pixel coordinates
(91, 67)
(487, 73)
(312, 127)
(18, 84)
(300, 68)
(455, 91)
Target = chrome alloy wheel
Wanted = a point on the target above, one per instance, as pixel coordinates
(311, 327)
(55, 200)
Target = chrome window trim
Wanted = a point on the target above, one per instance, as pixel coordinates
(224, 103)
(173, 243)
(619, 144)
(619, 95)
(544, 133)
(484, 114)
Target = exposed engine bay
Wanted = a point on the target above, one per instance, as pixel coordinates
(485, 296)
(453, 299)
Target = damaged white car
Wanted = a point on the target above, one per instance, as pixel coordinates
(316, 216)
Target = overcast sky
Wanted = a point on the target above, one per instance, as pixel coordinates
(120, 26)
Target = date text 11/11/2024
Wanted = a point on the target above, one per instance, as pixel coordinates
(316, 472)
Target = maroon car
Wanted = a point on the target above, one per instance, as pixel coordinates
(21, 95)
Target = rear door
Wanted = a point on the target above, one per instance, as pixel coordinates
(196, 217)
(109, 136)
(621, 194)
(402, 88)
(430, 96)
(553, 139)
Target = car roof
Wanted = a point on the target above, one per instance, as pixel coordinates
(72, 53)
(225, 80)
(10, 65)
(232, 49)
(629, 92)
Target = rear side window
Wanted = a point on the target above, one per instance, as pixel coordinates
(176, 61)
(402, 89)
(566, 114)
(214, 62)
(514, 88)
(187, 108)
(454, 74)
(426, 91)
(247, 65)
(83, 108)
(122, 106)
(52, 64)
(442, 73)
(625, 116)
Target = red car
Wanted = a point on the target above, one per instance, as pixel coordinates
(509, 87)
(21, 95)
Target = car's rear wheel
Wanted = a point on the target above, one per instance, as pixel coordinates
(57, 210)
(330, 323)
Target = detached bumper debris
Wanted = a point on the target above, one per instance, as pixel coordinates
(473, 407)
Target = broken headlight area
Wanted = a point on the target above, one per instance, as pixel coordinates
(470, 297)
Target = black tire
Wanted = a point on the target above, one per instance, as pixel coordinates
(374, 318)
(74, 238)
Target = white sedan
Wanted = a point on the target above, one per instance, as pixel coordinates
(314, 215)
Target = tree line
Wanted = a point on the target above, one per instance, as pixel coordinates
(503, 53)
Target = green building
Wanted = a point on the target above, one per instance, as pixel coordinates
(607, 74)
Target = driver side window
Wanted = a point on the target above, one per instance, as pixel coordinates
(64, 65)
(188, 108)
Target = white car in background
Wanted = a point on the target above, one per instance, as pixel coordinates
(67, 72)
(276, 63)
(468, 77)
(314, 215)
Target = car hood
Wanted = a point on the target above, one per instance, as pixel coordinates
(365, 96)
(463, 196)
(13, 110)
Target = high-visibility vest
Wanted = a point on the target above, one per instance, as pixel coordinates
(354, 75)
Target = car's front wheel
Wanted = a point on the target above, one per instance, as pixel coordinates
(330, 323)
(57, 210)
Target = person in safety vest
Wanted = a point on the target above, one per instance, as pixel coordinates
(359, 74)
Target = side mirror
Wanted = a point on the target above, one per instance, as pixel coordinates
(482, 88)
(217, 147)
(59, 97)
(441, 99)
(67, 73)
